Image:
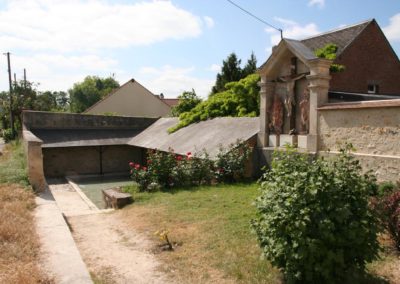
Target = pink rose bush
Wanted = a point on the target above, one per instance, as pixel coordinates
(168, 169)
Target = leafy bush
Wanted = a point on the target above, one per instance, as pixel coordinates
(231, 163)
(313, 220)
(161, 165)
(386, 188)
(388, 209)
(329, 52)
(8, 135)
(201, 168)
(240, 99)
(167, 169)
(141, 176)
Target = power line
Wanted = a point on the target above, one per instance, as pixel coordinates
(255, 17)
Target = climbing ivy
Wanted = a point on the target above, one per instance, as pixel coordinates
(329, 52)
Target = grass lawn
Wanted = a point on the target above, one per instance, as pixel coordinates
(212, 228)
(19, 243)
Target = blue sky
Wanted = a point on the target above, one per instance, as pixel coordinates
(168, 46)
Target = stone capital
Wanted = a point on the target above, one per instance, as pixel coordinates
(319, 66)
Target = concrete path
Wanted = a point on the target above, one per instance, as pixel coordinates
(68, 200)
(60, 254)
(111, 250)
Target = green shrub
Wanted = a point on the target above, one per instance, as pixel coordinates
(240, 98)
(201, 168)
(231, 162)
(161, 165)
(387, 207)
(8, 135)
(313, 220)
(329, 52)
(385, 188)
(141, 176)
(167, 169)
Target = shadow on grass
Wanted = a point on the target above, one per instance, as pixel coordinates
(365, 278)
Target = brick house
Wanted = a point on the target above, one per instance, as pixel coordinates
(372, 67)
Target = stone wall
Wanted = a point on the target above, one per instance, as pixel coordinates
(51, 120)
(59, 162)
(370, 130)
(373, 128)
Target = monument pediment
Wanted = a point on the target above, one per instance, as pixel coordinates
(285, 49)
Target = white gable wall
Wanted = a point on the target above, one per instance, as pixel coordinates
(131, 99)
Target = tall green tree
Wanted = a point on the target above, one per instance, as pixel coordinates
(52, 101)
(231, 71)
(187, 101)
(91, 90)
(250, 67)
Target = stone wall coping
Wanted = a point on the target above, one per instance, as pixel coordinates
(30, 137)
(361, 105)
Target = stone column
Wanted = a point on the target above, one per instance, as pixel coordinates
(319, 86)
(267, 88)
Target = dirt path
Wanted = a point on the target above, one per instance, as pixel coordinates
(112, 251)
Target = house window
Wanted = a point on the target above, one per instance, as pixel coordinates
(373, 88)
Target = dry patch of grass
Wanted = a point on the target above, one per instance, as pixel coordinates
(19, 246)
(211, 226)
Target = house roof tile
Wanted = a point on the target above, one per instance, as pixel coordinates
(342, 37)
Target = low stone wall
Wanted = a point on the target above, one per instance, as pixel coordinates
(51, 120)
(372, 127)
(371, 130)
(59, 162)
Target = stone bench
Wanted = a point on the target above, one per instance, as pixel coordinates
(114, 198)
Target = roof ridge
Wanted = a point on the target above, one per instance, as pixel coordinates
(339, 29)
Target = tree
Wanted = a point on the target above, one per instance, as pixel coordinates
(240, 99)
(187, 101)
(91, 90)
(232, 72)
(52, 101)
(250, 67)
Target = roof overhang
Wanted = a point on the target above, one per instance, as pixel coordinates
(283, 49)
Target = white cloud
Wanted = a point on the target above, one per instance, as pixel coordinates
(319, 3)
(292, 30)
(215, 68)
(172, 81)
(209, 22)
(58, 72)
(392, 31)
(89, 25)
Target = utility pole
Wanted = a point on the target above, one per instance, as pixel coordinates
(15, 80)
(24, 78)
(11, 100)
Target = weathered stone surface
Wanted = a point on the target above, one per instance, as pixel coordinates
(113, 198)
(370, 130)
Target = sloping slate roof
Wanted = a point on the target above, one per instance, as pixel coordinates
(171, 102)
(84, 137)
(301, 49)
(341, 37)
(206, 135)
